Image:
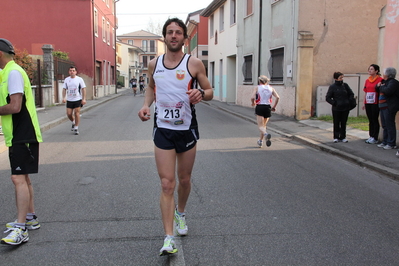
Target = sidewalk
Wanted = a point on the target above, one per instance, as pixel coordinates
(318, 134)
(315, 133)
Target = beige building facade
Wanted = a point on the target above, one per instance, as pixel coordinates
(300, 44)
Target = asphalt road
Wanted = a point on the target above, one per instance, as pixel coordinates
(97, 199)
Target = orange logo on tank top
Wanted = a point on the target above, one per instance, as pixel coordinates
(180, 74)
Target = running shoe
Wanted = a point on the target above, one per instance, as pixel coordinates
(76, 131)
(267, 138)
(260, 143)
(181, 226)
(381, 145)
(16, 237)
(169, 246)
(32, 224)
(389, 147)
(335, 140)
(373, 141)
(344, 140)
(369, 139)
(73, 127)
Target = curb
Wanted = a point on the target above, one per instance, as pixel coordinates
(392, 173)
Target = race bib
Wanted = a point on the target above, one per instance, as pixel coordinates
(72, 92)
(370, 97)
(172, 113)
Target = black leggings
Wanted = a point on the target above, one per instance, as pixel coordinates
(373, 112)
(340, 118)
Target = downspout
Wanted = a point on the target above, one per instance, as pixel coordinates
(260, 38)
(94, 53)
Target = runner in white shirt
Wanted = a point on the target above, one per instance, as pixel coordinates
(74, 94)
(172, 84)
(262, 98)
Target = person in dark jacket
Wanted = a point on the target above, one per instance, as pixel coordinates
(339, 95)
(391, 92)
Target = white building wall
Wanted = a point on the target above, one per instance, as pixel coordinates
(220, 54)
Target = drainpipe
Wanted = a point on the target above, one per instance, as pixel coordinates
(94, 54)
(260, 37)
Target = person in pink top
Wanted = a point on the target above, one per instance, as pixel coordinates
(371, 102)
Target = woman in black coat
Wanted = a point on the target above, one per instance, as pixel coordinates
(339, 96)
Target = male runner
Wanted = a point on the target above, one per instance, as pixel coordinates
(74, 94)
(172, 83)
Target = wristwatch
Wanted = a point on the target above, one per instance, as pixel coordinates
(202, 92)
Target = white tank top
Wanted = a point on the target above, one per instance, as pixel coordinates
(172, 106)
(264, 95)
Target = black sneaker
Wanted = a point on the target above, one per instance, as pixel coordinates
(267, 137)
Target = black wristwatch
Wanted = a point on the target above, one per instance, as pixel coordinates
(202, 92)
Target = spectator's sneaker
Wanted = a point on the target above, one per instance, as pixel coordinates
(260, 143)
(373, 141)
(76, 131)
(267, 138)
(16, 237)
(381, 145)
(368, 140)
(181, 226)
(169, 246)
(397, 153)
(335, 140)
(344, 140)
(32, 224)
(389, 147)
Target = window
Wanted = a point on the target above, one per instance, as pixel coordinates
(221, 18)
(247, 68)
(152, 46)
(103, 30)
(144, 45)
(95, 22)
(276, 65)
(249, 7)
(108, 33)
(211, 26)
(145, 61)
(130, 42)
(212, 73)
(232, 12)
(113, 38)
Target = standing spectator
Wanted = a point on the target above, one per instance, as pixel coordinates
(262, 98)
(384, 112)
(339, 95)
(175, 76)
(391, 92)
(74, 94)
(141, 83)
(371, 103)
(22, 135)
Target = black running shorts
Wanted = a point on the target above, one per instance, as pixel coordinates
(24, 158)
(264, 110)
(180, 140)
(73, 105)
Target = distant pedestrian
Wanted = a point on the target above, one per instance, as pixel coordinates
(391, 91)
(262, 98)
(141, 83)
(22, 135)
(74, 94)
(371, 102)
(339, 96)
(133, 84)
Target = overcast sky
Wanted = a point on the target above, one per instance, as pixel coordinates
(136, 15)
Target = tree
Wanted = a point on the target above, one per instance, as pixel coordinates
(23, 59)
(155, 29)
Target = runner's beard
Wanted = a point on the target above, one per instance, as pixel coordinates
(174, 48)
